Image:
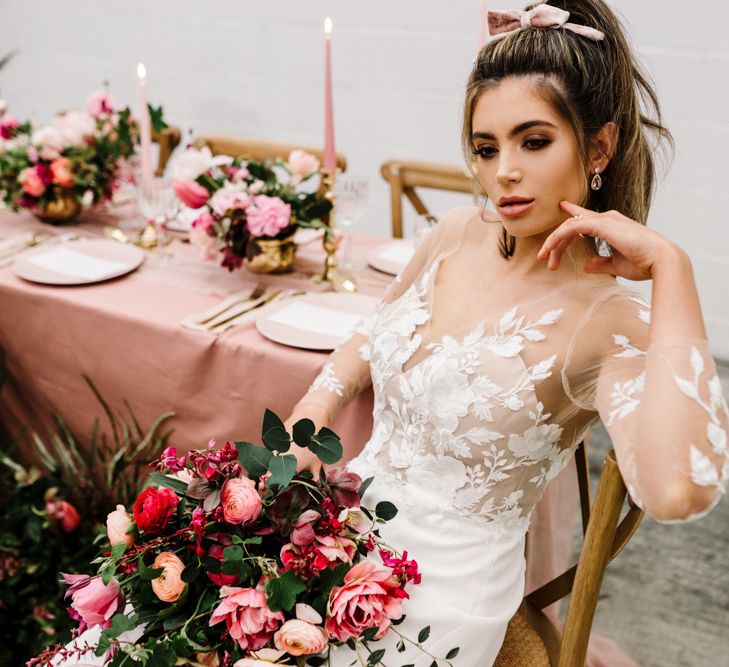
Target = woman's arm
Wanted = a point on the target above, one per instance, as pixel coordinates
(655, 385)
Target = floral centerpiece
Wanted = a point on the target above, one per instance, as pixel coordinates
(78, 159)
(234, 558)
(251, 208)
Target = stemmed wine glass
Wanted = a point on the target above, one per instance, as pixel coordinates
(158, 203)
(350, 201)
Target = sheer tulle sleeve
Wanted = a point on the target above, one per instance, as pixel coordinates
(662, 405)
(347, 371)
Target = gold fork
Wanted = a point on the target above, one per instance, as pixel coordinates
(273, 295)
(258, 291)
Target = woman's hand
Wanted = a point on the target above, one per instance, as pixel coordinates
(637, 250)
(305, 458)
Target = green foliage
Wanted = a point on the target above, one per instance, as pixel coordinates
(282, 591)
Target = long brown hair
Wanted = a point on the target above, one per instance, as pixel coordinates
(589, 83)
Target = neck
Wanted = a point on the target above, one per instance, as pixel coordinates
(524, 261)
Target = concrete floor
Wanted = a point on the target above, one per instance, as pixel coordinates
(665, 599)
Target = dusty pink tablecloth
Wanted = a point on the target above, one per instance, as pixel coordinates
(126, 336)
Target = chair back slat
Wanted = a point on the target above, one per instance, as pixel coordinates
(168, 139)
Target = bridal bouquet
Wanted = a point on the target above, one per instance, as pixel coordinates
(248, 202)
(234, 558)
(81, 155)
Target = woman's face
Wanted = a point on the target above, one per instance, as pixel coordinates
(525, 152)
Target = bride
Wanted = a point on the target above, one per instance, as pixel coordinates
(508, 336)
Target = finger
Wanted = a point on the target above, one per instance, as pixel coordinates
(561, 237)
(574, 209)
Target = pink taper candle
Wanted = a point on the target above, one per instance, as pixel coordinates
(330, 152)
(145, 130)
(482, 24)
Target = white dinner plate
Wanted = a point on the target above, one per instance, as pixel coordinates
(79, 262)
(314, 321)
(392, 257)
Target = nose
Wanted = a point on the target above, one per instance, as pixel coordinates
(508, 170)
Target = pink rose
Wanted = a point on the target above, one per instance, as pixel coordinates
(92, 601)
(169, 585)
(63, 512)
(298, 637)
(100, 103)
(191, 194)
(240, 500)
(8, 125)
(268, 216)
(32, 182)
(247, 617)
(61, 171)
(369, 598)
(302, 164)
(117, 525)
(229, 199)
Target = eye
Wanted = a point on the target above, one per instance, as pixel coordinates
(536, 144)
(484, 152)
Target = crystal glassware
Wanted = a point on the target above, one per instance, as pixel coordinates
(350, 203)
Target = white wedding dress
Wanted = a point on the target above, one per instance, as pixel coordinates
(484, 385)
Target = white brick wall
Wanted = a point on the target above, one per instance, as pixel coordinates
(255, 67)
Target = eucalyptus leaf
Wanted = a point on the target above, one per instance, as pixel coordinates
(253, 458)
(283, 469)
(303, 430)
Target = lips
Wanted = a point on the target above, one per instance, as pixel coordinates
(514, 206)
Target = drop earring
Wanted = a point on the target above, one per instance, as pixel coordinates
(596, 182)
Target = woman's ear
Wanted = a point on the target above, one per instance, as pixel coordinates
(603, 144)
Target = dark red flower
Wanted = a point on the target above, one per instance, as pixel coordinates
(153, 509)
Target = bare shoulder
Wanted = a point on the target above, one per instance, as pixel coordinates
(455, 220)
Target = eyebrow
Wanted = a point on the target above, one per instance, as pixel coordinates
(517, 129)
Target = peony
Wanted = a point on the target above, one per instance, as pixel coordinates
(92, 602)
(191, 194)
(153, 509)
(8, 125)
(298, 637)
(117, 525)
(247, 617)
(229, 198)
(31, 182)
(268, 216)
(100, 103)
(240, 500)
(61, 171)
(369, 598)
(169, 585)
(63, 512)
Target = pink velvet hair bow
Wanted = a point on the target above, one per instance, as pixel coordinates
(542, 16)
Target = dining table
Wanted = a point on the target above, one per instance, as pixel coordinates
(126, 336)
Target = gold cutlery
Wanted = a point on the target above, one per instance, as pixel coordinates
(257, 293)
(116, 234)
(262, 302)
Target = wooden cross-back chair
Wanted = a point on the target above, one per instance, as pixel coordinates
(257, 149)
(531, 638)
(168, 139)
(406, 175)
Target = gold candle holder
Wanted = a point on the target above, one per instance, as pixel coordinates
(331, 273)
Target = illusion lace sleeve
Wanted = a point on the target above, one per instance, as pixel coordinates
(347, 371)
(662, 405)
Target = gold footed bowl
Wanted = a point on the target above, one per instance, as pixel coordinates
(270, 255)
(63, 208)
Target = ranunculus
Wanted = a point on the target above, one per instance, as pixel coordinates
(117, 525)
(191, 194)
(240, 500)
(206, 244)
(153, 509)
(230, 198)
(63, 512)
(169, 585)
(61, 171)
(100, 103)
(268, 216)
(298, 637)
(92, 601)
(302, 164)
(369, 598)
(345, 485)
(8, 125)
(247, 617)
(31, 182)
